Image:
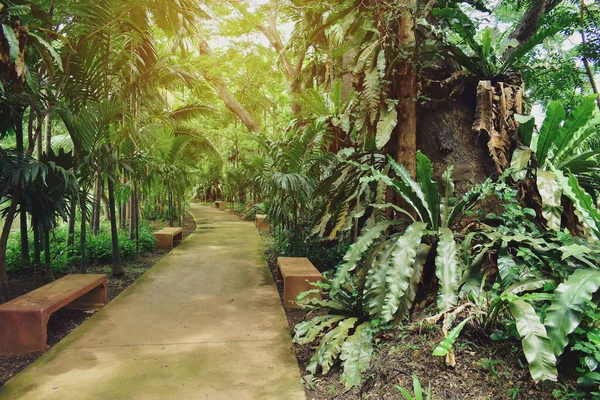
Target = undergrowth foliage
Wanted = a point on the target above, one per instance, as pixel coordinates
(504, 266)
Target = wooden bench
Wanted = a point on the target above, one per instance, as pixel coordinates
(296, 273)
(24, 320)
(261, 223)
(222, 205)
(167, 238)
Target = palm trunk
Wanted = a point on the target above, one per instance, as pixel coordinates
(136, 212)
(72, 218)
(37, 250)
(22, 214)
(170, 208)
(117, 268)
(10, 216)
(96, 207)
(83, 235)
(48, 143)
(132, 207)
(47, 258)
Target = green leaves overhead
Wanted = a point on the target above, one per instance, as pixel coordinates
(536, 345)
(564, 314)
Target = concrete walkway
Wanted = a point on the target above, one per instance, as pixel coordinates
(204, 323)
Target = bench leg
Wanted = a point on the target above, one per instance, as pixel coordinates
(293, 286)
(92, 300)
(177, 239)
(23, 332)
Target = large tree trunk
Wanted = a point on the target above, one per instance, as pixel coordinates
(117, 268)
(216, 81)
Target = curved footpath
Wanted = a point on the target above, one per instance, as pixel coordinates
(204, 323)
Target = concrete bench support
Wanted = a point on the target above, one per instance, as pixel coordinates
(24, 320)
(296, 273)
(261, 223)
(167, 238)
(222, 205)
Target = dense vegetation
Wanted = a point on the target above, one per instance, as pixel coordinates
(401, 145)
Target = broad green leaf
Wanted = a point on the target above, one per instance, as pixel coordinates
(445, 345)
(536, 345)
(554, 117)
(448, 184)
(506, 266)
(331, 346)
(51, 50)
(519, 163)
(564, 315)
(412, 191)
(400, 271)
(575, 121)
(388, 118)
(355, 252)
(356, 355)
(551, 198)
(526, 286)
(448, 270)
(307, 331)
(526, 126)
(584, 205)
(13, 43)
(410, 293)
(429, 187)
(375, 282)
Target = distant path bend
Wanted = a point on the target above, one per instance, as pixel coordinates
(204, 323)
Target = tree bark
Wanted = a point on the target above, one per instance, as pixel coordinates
(10, 215)
(48, 137)
(406, 91)
(72, 218)
(117, 268)
(586, 63)
(22, 214)
(215, 80)
(83, 235)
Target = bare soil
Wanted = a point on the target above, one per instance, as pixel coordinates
(63, 321)
(484, 369)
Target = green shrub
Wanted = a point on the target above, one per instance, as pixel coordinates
(98, 248)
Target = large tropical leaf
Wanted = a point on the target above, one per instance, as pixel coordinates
(583, 202)
(536, 345)
(564, 315)
(448, 184)
(307, 331)
(551, 198)
(388, 119)
(410, 293)
(445, 345)
(355, 253)
(448, 269)
(400, 271)
(429, 187)
(356, 354)
(331, 346)
(575, 121)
